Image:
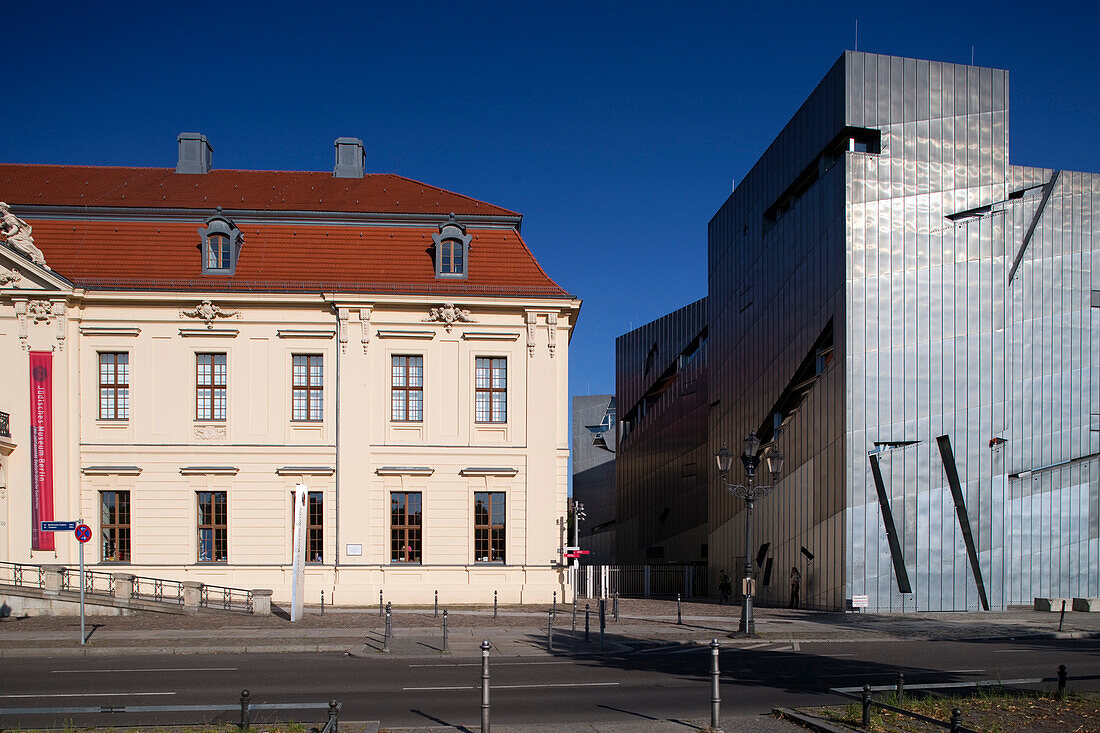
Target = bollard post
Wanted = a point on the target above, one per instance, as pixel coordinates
(494, 604)
(615, 606)
(550, 630)
(866, 706)
(245, 709)
(333, 710)
(586, 622)
(956, 720)
(485, 686)
(389, 628)
(322, 601)
(1061, 682)
(379, 601)
(603, 619)
(1062, 618)
(437, 604)
(715, 699)
(555, 606)
(446, 649)
(573, 629)
(901, 685)
(679, 611)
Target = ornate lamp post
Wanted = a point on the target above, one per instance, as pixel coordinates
(750, 460)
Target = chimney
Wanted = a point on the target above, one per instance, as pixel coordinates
(196, 155)
(349, 158)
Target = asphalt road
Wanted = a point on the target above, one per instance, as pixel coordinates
(649, 682)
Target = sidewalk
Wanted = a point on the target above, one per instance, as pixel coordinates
(517, 631)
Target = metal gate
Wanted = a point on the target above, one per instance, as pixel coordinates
(641, 581)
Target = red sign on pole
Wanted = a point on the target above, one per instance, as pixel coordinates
(41, 363)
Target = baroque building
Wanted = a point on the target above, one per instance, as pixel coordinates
(181, 347)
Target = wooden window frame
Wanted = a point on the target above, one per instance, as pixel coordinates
(219, 531)
(219, 254)
(490, 536)
(400, 411)
(406, 537)
(488, 390)
(211, 388)
(114, 527)
(114, 387)
(308, 390)
(315, 527)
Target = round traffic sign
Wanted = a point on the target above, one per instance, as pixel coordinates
(83, 532)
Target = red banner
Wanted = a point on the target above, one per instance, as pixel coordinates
(41, 448)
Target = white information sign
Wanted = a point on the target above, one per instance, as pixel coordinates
(301, 509)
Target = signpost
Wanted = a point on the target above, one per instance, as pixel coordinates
(297, 595)
(83, 533)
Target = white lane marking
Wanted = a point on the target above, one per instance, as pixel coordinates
(495, 664)
(795, 646)
(664, 648)
(145, 669)
(92, 694)
(912, 672)
(514, 687)
(756, 645)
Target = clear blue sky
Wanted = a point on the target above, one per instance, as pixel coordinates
(614, 128)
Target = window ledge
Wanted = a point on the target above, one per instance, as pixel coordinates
(404, 471)
(213, 332)
(111, 470)
(305, 471)
(109, 424)
(488, 471)
(209, 470)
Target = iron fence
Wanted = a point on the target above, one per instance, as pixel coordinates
(157, 589)
(18, 574)
(642, 581)
(94, 581)
(227, 599)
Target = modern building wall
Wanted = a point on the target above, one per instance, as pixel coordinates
(594, 441)
(947, 298)
(661, 391)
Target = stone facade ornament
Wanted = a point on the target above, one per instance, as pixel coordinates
(552, 329)
(17, 233)
(342, 315)
(531, 320)
(448, 315)
(40, 312)
(10, 279)
(210, 432)
(364, 322)
(208, 312)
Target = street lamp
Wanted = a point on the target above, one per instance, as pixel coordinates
(750, 460)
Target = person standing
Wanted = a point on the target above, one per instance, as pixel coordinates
(796, 586)
(725, 587)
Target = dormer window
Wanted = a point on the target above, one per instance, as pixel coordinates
(221, 245)
(452, 249)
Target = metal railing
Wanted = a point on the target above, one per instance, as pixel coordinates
(18, 574)
(227, 599)
(642, 581)
(157, 589)
(94, 581)
(5, 425)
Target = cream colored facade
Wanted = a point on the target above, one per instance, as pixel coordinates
(356, 455)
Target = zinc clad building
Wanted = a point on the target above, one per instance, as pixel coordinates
(182, 347)
(920, 318)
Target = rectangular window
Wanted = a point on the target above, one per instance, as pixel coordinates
(213, 527)
(210, 386)
(405, 525)
(307, 393)
(114, 386)
(489, 526)
(491, 390)
(407, 389)
(114, 525)
(315, 526)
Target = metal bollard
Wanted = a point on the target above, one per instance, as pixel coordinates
(494, 604)
(379, 601)
(446, 649)
(679, 611)
(437, 604)
(1062, 618)
(333, 710)
(615, 606)
(573, 628)
(485, 686)
(549, 630)
(956, 720)
(1061, 682)
(901, 685)
(603, 619)
(555, 606)
(322, 601)
(246, 701)
(715, 699)
(586, 622)
(389, 628)
(866, 706)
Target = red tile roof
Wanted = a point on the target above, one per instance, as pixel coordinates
(137, 252)
(72, 185)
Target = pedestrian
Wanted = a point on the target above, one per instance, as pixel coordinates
(725, 587)
(796, 585)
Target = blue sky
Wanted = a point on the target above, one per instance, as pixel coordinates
(615, 128)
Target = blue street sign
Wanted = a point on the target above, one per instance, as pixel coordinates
(58, 526)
